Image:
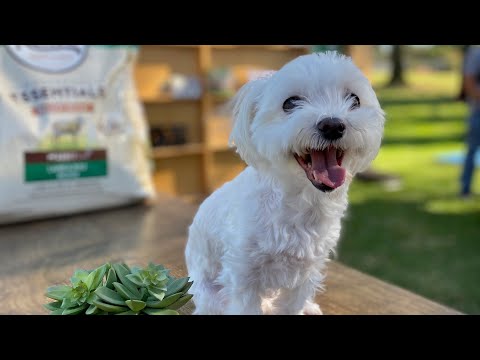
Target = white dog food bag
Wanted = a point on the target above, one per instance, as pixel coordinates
(73, 136)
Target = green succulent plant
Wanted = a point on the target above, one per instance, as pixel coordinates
(117, 289)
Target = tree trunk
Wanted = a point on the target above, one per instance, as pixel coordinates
(397, 66)
(461, 95)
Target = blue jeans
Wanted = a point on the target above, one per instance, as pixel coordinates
(473, 142)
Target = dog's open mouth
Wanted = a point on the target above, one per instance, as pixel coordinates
(323, 167)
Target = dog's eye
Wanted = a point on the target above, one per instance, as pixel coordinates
(355, 101)
(291, 103)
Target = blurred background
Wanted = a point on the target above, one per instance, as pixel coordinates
(406, 223)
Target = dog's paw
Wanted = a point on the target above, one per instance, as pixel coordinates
(311, 308)
(267, 307)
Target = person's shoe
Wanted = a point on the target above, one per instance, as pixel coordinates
(465, 195)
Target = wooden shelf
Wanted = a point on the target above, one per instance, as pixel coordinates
(196, 198)
(166, 100)
(219, 148)
(267, 47)
(182, 47)
(169, 151)
(219, 98)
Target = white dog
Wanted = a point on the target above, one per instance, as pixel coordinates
(260, 242)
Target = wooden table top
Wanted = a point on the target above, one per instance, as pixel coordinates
(42, 253)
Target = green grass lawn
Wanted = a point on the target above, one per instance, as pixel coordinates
(421, 236)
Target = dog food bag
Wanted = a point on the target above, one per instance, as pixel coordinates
(73, 135)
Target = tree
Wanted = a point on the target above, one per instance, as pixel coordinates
(397, 66)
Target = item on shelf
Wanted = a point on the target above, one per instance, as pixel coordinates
(168, 135)
(245, 73)
(157, 137)
(221, 82)
(226, 81)
(256, 74)
(179, 134)
(179, 86)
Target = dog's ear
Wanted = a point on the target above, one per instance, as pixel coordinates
(244, 108)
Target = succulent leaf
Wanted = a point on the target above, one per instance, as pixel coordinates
(136, 305)
(124, 292)
(135, 269)
(176, 286)
(160, 311)
(187, 287)
(157, 289)
(182, 301)
(58, 292)
(53, 305)
(94, 279)
(91, 297)
(122, 272)
(79, 275)
(92, 309)
(75, 310)
(143, 294)
(109, 296)
(68, 303)
(157, 293)
(169, 300)
(136, 279)
(111, 278)
(109, 308)
(129, 312)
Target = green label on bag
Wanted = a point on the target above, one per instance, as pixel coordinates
(62, 165)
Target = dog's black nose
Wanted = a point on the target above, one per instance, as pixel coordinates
(331, 128)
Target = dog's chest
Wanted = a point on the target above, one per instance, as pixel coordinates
(282, 270)
(287, 252)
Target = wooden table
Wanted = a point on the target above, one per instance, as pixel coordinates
(38, 254)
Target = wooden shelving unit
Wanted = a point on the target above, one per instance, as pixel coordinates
(205, 162)
(169, 151)
(166, 100)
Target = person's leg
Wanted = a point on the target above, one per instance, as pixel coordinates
(473, 142)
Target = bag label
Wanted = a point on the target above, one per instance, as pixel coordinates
(61, 165)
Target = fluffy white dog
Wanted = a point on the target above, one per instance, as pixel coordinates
(260, 242)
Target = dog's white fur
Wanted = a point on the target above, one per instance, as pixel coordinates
(259, 243)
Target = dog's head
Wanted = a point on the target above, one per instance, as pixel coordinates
(315, 119)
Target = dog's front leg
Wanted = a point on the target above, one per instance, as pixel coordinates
(292, 301)
(240, 277)
(245, 302)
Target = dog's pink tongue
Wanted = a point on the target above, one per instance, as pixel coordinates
(326, 169)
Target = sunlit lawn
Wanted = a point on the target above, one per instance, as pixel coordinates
(422, 236)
